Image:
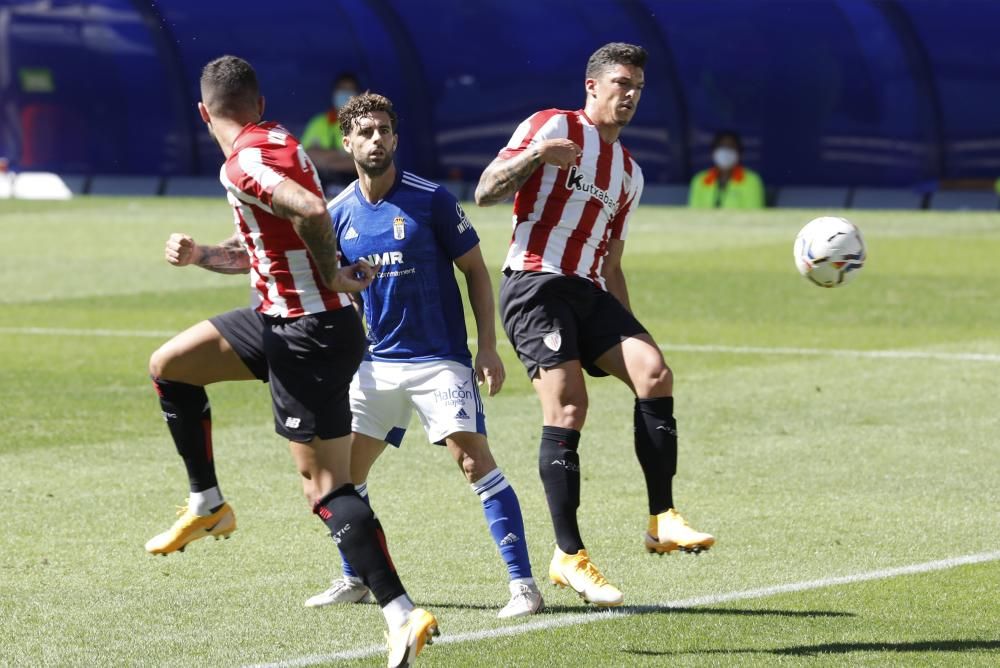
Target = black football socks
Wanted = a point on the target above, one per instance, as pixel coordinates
(360, 538)
(189, 418)
(656, 449)
(559, 468)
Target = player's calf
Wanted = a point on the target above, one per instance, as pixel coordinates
(503, 517)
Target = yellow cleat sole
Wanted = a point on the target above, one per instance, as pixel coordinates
(654, 547)
(564, 585)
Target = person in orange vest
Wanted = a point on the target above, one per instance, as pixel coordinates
(727, 184)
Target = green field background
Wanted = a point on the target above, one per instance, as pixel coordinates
(804, 466)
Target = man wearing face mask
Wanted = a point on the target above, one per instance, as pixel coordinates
(728, 184)
(323, 140)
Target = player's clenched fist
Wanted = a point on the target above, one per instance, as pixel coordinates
(559, 152)
(180, 250)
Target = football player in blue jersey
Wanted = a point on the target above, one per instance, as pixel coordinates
(415, 232)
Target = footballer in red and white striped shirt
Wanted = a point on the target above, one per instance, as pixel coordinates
(564, 216)
(565, 306)
(286, 279)
(300, 340)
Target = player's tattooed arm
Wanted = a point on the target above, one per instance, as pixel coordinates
(228, 257)
(307, 213)
(503, 177)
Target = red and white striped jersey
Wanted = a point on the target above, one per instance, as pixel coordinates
(282, 272)
(563, 218)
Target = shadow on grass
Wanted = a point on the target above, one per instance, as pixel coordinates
(846, 647)
(628, 610)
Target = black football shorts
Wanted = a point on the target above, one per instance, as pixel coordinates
(308, 361)
(551, 319)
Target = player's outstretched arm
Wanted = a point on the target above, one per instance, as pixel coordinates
(505, 176)
(228, 257)
(614, 277)
(489, 366)
(307, 213)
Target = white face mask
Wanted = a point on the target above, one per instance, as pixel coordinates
(725, 158)
(341, 97)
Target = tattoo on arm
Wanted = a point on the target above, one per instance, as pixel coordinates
(502, 178)
(322, 244)
(229, 257)
(308, 215)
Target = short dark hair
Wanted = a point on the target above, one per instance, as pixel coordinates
(345, 77)
(615, 53)
(363, 105)
(727, 134)
(229, 87)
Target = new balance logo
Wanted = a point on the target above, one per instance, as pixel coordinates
(509, 539)
(351, 234)
(569, 466)
(293, 422)
(462, 415)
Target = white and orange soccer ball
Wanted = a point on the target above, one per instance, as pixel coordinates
(829, 251)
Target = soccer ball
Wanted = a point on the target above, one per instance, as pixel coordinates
(829, 251)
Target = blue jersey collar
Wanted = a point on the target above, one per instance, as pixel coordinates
(392, 191)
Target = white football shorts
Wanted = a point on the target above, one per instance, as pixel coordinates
(443, 392)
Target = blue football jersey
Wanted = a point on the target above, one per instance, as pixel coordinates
(413, 307)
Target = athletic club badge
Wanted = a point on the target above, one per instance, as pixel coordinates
(399, 228)
(553, 341)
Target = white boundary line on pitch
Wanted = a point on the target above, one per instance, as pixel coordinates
(832, 352)
(578, 619)
(60, 331)
(669, 347)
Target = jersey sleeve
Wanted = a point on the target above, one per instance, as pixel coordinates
(255, 173)
(258, 169)
(539, 126)
(452, 227)
(619, 224)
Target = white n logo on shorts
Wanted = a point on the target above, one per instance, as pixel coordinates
(293, 422)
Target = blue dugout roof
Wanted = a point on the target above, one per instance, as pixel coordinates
(825, 92)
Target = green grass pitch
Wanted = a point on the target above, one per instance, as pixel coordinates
(805, 465)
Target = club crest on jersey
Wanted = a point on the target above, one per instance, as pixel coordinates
(398, 228)
(553, 341)
(575, 181)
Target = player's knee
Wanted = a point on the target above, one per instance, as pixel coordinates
(475, 467)
(472, 454)
(160, 361)
(568, 415)
(309, 488)
(657, 381)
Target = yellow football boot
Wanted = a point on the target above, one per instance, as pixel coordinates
(578, 573)
(190, 527)
(406, 642)
(668, 532)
